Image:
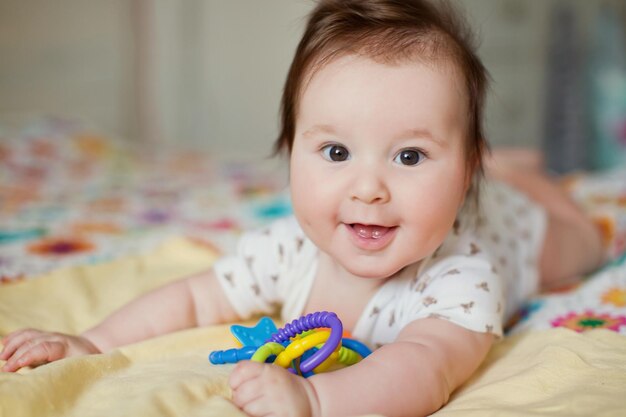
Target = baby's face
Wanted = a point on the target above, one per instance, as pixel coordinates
(378, 168)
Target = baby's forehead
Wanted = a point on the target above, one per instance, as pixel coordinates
(387, 99)
(446, 64)
(348, 66)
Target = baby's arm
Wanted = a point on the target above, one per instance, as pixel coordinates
(197, 300)
(413, 376)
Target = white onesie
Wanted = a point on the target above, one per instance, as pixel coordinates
(485, 268)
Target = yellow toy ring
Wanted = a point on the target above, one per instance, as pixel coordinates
(298, 347)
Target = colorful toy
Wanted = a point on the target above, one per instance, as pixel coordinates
(308, 345)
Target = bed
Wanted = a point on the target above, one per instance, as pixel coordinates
(88, 222)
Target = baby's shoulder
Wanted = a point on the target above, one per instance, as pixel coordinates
(465, 242)
(498, 201)
(503, 234)
(502, 213)
(284, 231)
(284, 237)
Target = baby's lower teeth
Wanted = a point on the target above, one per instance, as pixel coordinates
(369, 234)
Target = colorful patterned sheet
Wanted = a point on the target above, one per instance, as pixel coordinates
(72, 196)
(599, 299)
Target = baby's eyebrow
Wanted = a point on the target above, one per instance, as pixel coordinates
(420, 133)
(316, 129)
(411, 133)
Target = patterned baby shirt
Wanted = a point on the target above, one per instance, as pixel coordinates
(478, 277)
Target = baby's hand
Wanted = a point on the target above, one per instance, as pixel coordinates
(269, 390)
(31, 347)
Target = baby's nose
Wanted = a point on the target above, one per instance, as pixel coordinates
(370, 187)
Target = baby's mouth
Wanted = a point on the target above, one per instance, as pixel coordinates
(368, 231)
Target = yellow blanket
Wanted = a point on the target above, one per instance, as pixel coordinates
(551, 373)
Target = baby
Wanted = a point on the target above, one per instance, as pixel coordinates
(382, 119)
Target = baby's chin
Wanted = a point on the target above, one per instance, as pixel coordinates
(373, 271)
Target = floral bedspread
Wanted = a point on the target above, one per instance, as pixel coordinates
(70, 195)
(599, 299)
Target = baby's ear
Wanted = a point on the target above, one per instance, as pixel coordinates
(472, 186)
(470, 174)
(469, 180)
(475, 170)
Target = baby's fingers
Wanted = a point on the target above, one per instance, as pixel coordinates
(246, 385)
(33, 354)
(13, 341)
(244, 371)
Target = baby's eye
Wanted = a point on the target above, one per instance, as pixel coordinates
(335, 153)
(409, 157)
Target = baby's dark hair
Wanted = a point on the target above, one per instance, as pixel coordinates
(389, 31)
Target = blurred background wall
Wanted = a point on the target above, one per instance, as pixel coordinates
(68, 57)
(209, 72)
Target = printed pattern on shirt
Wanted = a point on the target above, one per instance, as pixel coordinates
(480, 273)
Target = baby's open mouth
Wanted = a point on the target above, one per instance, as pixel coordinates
(369, 231)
